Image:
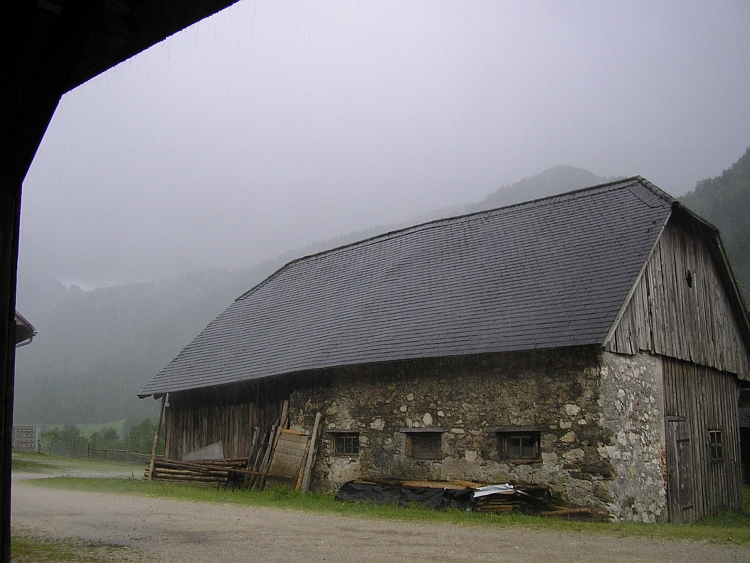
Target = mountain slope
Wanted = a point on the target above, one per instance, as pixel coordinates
(555, 180)
(725, 201)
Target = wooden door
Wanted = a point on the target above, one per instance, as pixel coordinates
(680, 470)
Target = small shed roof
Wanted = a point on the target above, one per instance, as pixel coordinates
(25, 331)
(548, 273)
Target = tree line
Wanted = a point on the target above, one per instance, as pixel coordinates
(725, 202)
(70, 441)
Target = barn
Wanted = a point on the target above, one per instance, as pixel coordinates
(594, 342)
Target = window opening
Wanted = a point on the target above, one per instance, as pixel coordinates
(426, 445)
(519, 445)
(346, 444)
(716, 445)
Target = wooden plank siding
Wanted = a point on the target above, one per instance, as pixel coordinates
(707, 399)
(189, 428)
(667, 316)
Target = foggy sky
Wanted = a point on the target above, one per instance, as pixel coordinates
(273, 125)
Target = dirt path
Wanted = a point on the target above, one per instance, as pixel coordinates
(172, 531)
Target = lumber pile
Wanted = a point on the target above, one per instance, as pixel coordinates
(529, 499)
(578, 513)
(278, 456)
(214, 471)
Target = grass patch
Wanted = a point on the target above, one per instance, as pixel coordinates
(44, 463)
(29, 464)
(28, 548)
(733, 528)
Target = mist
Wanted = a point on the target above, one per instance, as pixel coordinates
(271, 126)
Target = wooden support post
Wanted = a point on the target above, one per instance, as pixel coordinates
(10, 205)
(267, 458)
(250, 456)
(156, 439)
(282, 423)
(301, 472)
(311, 453)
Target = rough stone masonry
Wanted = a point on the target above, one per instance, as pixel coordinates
(596, 418)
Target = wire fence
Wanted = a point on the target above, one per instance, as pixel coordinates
(116, 455)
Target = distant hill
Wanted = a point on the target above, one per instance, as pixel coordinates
(553, 181)
(96, 349)
(725, 201)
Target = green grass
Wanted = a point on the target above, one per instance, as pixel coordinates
(28, 548)
(44, 463)
(734, 528)
(28, 464)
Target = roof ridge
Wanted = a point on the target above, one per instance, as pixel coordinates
(435, 223)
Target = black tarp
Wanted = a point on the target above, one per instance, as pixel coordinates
(428, 497)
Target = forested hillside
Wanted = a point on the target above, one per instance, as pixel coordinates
(725, 201)
(96, 349)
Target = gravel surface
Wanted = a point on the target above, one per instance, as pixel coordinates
(171, 531)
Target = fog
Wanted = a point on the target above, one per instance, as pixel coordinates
(271, 126)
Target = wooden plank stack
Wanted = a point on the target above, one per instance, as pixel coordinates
(213, 471)
(278, 456)
(522, 498)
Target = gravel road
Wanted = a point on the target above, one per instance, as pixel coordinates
(171, 531)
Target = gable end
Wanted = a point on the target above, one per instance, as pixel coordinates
(681, 307)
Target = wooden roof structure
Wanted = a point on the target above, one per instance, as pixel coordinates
(25, 331)
(550, 273)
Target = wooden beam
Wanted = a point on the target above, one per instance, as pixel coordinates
(9, 216)
(311, 453)
(156, 439)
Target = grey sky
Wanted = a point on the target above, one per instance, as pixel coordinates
(277, 124)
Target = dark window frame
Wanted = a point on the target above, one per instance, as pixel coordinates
(424, 444)
(520, 446)
(346, 444)
(716, 445)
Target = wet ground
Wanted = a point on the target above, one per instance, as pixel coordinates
(171, 531)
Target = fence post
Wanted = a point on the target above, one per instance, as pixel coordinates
(156, 439)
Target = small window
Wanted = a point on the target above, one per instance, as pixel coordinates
(346, 444)
(716, 445)
(426, 445)
(519, 445)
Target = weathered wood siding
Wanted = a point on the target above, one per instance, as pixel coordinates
(667, 316)
(190, 428)
(707, 399)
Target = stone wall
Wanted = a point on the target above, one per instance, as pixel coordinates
(632, 414)
(558, 391)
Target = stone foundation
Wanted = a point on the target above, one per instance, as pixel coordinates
(599, 418)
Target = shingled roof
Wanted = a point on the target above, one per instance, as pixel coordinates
(548, 273)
